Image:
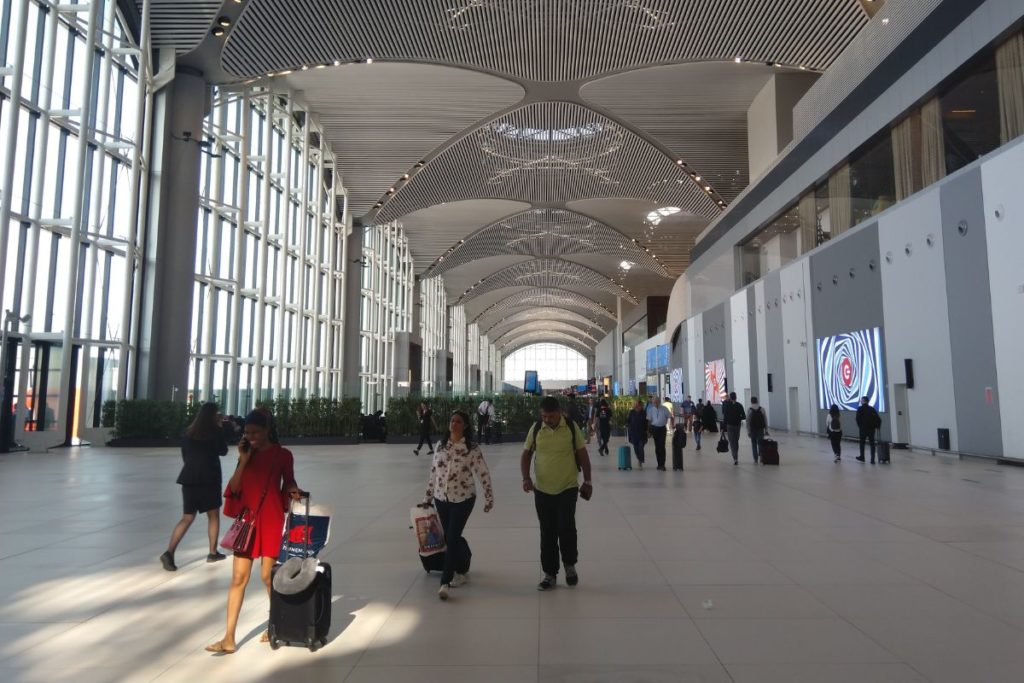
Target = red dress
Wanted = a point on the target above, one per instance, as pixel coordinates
(271, 467)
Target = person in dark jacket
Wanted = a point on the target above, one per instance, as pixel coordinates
(757, 426)
(868, 420)
(636, 430)
(709, 417)
(697, 424)
(834, 429)
(603, 426)
(733, 416)
(200, 480)
(426, 418)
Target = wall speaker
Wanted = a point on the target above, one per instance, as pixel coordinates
(908, 366)
(770, 387)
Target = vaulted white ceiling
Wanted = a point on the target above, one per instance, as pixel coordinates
(524, 144)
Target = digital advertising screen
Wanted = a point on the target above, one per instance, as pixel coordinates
(715, 388)
(531, 385)
(664, 352)
(652, 360)
(849, 367)
(676, 385)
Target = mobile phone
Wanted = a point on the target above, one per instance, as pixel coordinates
(244, 444)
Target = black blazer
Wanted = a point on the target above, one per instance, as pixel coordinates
(202, 461)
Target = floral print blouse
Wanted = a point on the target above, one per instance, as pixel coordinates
(451, 473)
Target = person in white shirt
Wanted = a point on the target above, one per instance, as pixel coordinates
(658, 419)
(451, 488)
(484, 416)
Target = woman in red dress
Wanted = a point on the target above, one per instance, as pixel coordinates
(263, 481)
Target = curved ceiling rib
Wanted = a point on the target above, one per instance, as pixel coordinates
(547, 273)
(551, 41)
(383, 119)
(542, 326)
(545, 297)
(545, 233)
(549, 338)
(550, 153)
(500, 326)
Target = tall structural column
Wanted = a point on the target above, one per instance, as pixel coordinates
(170, 253)
(617, 348)
(352, 331)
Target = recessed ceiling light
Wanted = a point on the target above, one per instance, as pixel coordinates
(680, 162)
(305, 67)
(224, 21)
(737, 59)
(337, 62)
(885, 21)
(218, 31)
(697, 178)
(369, 60)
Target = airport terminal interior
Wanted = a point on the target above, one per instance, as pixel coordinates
(320, 218)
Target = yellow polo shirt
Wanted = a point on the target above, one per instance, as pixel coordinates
(554, 460)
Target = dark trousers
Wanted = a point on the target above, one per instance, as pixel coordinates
(733, 434)
(696, 436)
(483, 431)
(755, 442)
(867, 436)
(658, 434)
(453, 518)
(557, 517)
(836, 438)
(425, 436)
(604, 433)
(638, 447)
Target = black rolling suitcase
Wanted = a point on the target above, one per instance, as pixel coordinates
(883, 452)
(302, 618)
(769, 451)
(678, 444)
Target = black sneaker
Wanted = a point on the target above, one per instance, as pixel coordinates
(860, 458)
(167, 560)
(216, 557)
(571, 577)
(415, 451)
(547, 583)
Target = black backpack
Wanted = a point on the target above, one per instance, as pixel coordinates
(757, 418)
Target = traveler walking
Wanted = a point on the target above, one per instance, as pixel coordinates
(689, 410)
(658, 419)
(426, 418)
(484, 416)
(603, 426)
(262, 483)
(710, 418)
(698, 422)
(557, 449)
(868, 420)
(757, 426)
(636, 430)
(451, 488)
(200, 480)
(733, 416)
(834, 429)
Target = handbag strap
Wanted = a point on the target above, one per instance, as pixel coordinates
(263, 496)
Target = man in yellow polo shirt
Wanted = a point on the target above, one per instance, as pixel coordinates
(558, 446)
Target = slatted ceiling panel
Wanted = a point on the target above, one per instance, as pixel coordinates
(433, 230)
(546, 273)
(542, 326)
(550, 152)
(590, 324)
(540, 40)
(698, 111)
(180, 24)
(543, 297)
(382, 119)
(544, 233)
(573, 342)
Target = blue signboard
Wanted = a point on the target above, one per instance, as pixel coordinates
(652, 360)
(663, 357)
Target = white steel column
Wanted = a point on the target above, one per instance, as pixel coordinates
(262, 304)
(234, 369)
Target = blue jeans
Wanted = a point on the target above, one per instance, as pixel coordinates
(638, 447)
(453, 518)
(755, 442)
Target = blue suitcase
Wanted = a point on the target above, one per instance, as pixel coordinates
(625, 458)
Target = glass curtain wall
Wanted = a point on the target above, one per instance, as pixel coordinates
(72, 123)
(270, 255)
(387, 300)
(457, 346)
(433, 309)
(553, 362)
(473, 357)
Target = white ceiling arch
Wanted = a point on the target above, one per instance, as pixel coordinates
(494, 329)
(544, 337)
(543, 297)
(547, 273)
(541, 326)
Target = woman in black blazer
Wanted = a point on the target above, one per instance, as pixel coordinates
(200, 479)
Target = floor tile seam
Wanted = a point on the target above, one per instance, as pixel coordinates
(952, 545)
(898, 657)
(376, 632)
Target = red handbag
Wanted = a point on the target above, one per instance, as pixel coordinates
(242, 533)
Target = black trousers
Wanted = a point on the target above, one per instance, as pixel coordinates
(425, 436)
(658, 434)
(453, 518)
(604, 431)
(836, 438)
(867, 436)
(483, 431)
(557, 517)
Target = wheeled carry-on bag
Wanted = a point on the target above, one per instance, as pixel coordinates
(300, 598)
(769, 449)
(625, 458)
(678, 444)
(883, 452)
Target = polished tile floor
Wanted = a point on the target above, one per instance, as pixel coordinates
(808, 572)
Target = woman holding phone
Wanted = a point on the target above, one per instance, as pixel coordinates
(263, 482)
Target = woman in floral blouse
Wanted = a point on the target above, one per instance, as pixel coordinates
(452, 490)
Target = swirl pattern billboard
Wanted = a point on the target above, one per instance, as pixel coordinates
(849, 367)
(715, 388)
